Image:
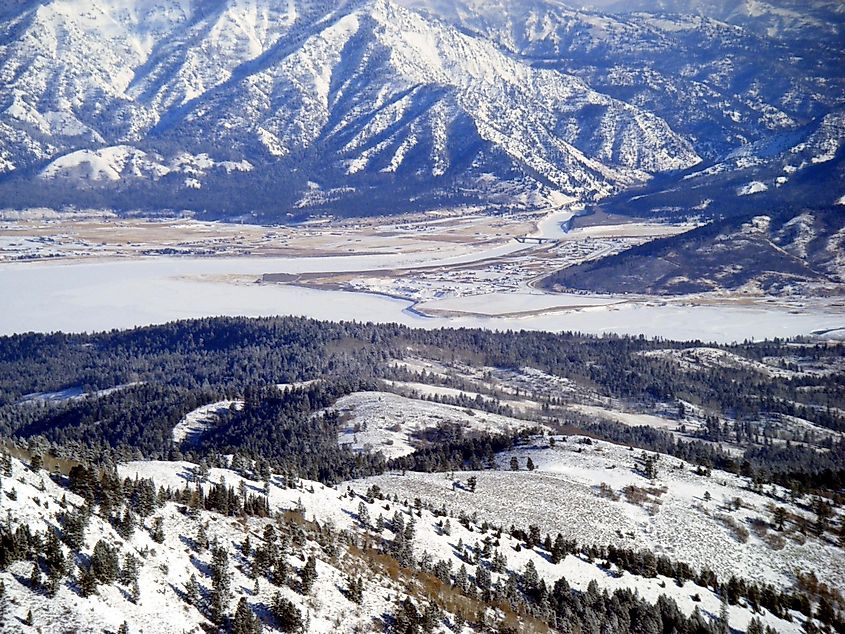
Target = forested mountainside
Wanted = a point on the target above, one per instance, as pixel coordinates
(243, 550)
(301, 476)
(376, 106)
(123, 393)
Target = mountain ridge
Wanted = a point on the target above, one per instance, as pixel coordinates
(370, 106)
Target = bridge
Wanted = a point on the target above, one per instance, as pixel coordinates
(529, 239)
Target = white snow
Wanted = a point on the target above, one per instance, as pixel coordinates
(121, 294)
(679, 521)
(386, 423)
(196, 422)
(754, 187)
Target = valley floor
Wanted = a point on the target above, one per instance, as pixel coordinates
(461, 269)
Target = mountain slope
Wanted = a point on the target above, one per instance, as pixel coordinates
(699, 72)
(339, 101)
(776, 254)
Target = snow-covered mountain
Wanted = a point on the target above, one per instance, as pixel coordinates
(358, 95)
(716, 80)
(365, 106)
(798, 253)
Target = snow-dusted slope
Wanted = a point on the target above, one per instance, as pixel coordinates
(690, 64)
(315, 518)
(356, 95)
(685, 515)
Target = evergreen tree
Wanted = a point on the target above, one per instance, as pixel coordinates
(104, 562)
(280, 572)
(363, 515)
(472, 482)
(124, 628)
(355, 589)
(309, 574)
(244, 622)
(4, 602)
(74, 524)
(220, 589)
(462, 578)
(157, 531)
(483, 579)
(192, 592)
(514, 464)
(126, 524)
(201, 542)
(287, 615)
(130, 570)
(135, 592)
(35, 581)
(87, 581)
(529, 464)
(724, 626)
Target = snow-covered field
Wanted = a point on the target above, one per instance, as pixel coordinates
(628, 418)
(565, 481)
(694, 358)
(197, 421)
(385, 422)
(562, 494)
(45, 297)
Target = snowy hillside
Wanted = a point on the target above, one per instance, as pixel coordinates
(793, 253)
(446, 560)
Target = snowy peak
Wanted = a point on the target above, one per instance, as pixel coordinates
(366, 90)
(372, 105)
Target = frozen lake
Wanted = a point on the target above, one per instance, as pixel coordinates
(91, 296)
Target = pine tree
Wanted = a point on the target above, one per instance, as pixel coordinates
(201, 542)
(245, 621)
(37, 463)
(363, 515)
(124, 628)
(472, 483)
(87, 581)
(309, 574)
(157, 532)
(514, 464)
(73, 528)
(287, 615)
(355, 589)
(135, 592)
(29, 620)
(462, 578)
(126, 524)
(530, 577)
(192, 592)
(755, 626)
(220, 592)
(529, 464)
(724, 627)
(483, 579)
(129, 572)
(280, 572)
(4, 602)
(104, 562)
(35, 581)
